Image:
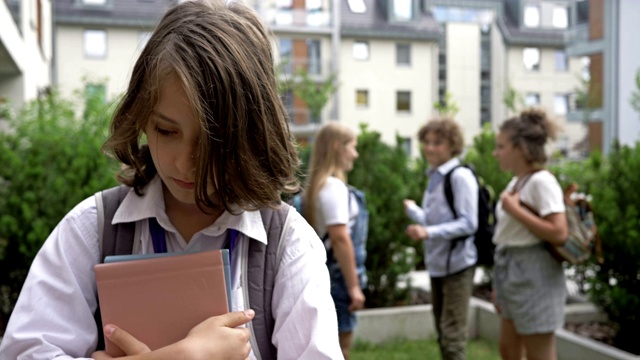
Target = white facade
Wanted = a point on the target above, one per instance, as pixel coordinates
(463, 75)
(382, 78)
(25, 51)
(76, 65)
(627, 66)
(547, 83)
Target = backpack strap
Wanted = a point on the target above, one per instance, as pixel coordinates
(448, 190)
(112, 239)
(448, 194)
(262, 263)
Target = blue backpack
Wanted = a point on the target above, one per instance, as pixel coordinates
(359, 232)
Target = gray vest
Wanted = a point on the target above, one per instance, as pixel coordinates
(259, 265)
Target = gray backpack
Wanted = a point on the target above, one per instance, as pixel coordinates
(118, 240)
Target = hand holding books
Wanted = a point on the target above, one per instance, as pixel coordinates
(219, 334)
(161, 299)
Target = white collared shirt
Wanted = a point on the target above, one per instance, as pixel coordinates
(53, 318)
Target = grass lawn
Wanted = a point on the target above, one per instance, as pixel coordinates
(419, 349)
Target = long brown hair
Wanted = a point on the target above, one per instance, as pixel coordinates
(326, 160)
(222, 55)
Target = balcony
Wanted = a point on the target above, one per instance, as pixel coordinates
(317, 69)
(281, 19)
(301, 123)
(579, 43)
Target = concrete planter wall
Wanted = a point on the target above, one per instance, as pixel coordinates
(416, 322)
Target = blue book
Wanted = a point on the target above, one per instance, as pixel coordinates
(225, 260)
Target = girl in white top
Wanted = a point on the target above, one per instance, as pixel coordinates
(331, 210)
(529, 285)
(204, 142)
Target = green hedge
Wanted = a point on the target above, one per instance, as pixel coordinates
(616, 285)
(388, 175)
(51, 161)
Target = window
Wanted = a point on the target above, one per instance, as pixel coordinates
(284, 13)
(532, 99)
(531, 59)
(585, 70)
(531, 16)
(284, 4)
(95, 43)
(94, 2)
(560, 18)
(313, 5)
(403, 10)
(361, 50)
(561, 104)
(287, 101)
(96, 91)
(403, 54)
(286, 48)
(562, 62)
(357, 6)
(403, 101)
(405, 143)
(313, 57)
(314, 14)
(362, 98)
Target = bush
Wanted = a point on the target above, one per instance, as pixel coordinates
(387, 175)
(585, 173)
(51, 161)
(616, 286)
(480, 155)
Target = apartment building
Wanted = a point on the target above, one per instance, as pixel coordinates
(98, 41)
(604, 32)
(381, 54)
(25, 50)
(388, 67)
(490, 47)
(392, 59)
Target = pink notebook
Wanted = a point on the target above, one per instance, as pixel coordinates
(159, 300)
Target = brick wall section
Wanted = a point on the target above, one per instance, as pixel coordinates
(596, 19)
(597, 80)
(595, 135)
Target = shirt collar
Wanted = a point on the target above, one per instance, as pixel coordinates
(151, 204)
(444, 168)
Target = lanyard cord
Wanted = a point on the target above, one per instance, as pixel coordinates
(160, 242)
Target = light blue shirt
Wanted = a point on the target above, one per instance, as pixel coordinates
(441, 224)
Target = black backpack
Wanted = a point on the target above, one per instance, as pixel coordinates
(486, 219)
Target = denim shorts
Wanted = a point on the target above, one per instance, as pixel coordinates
(346, 320)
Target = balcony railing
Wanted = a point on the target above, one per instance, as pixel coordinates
(316, 68)
(577, 33)
(297, 17)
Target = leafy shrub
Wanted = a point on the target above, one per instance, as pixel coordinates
(51, 161)
(616, 286)
(387, 175)
(480, 155)
(585, 173)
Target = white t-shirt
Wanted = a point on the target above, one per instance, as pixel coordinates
(543, 193)
(333, 208)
